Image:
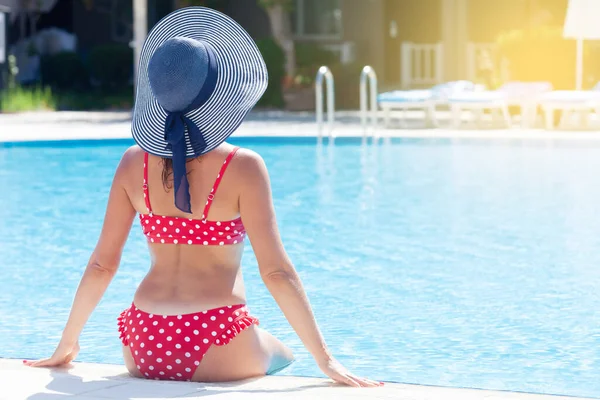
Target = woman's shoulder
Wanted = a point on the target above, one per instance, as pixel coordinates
(133, 151)
(133, 154)
(248, 156)
(131, 159)
(249, 163)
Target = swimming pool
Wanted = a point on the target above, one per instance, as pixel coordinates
(455, 263)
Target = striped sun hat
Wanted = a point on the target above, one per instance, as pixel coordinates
(200, 73)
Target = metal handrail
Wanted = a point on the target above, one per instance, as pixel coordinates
(369, 76)
(324, 73)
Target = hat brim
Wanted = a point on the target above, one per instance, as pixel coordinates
(242, 80)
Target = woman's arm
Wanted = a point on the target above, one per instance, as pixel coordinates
(278, 272)
(276, 269)
(106, 257)
(101, 267)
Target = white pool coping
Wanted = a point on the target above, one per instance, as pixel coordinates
(102, 381)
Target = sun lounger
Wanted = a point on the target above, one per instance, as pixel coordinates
(524, 95)
(426, 100)
(570, 102)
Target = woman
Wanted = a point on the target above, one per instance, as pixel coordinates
(200, 73)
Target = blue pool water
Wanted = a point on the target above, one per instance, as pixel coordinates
(472, 264)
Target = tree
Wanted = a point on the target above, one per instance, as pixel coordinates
(31, 10)
(279, 12)
(120, 17)
(219, 5)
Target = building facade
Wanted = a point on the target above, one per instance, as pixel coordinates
(409, 43)
(413, 42)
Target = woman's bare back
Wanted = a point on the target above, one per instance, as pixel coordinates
(185, 279)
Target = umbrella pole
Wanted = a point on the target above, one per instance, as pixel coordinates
(579, 72)
(140, 30)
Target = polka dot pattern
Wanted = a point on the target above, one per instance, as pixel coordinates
(176, 230)
(179, 342)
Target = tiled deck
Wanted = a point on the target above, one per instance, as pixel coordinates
(99, 381)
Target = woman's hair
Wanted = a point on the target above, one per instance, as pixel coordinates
(167, 172)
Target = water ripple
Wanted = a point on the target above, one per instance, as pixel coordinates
(462, 264)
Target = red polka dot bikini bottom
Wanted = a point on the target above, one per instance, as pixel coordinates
(172, 346)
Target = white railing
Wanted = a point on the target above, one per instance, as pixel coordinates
(422, 64)
(324, 74)
(368, 76)
(474, 53)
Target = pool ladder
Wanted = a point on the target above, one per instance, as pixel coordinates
(324, 75)
(368, 117)
(369, 76)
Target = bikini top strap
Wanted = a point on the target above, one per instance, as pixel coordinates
(145, 185)
(213, 191)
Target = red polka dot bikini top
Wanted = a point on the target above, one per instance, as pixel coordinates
(176, 230)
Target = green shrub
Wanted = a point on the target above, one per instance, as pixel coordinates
(64, 71)
(111, 65)
(20, 99)
(309, 58)
(542, 54)
(96, 99)
(275, 60)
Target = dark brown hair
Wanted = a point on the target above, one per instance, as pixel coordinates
(167, 172)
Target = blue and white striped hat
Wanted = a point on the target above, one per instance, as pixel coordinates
(200, 73)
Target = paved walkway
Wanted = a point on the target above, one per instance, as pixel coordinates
(100, 381)
(117, 125)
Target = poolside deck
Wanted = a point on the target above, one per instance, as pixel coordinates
(36, 126)
(101, 381)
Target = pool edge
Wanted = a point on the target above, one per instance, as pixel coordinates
(95, 380)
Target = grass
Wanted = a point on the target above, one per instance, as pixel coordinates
(96, 99)
(21, 99)
(36, 98)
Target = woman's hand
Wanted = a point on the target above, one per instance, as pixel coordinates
(336, 371)
(64, 354)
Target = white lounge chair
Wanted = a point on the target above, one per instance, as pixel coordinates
(524, 95)
(426, 100)
(570, 102)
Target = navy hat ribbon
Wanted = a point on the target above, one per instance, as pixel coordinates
(175, 127)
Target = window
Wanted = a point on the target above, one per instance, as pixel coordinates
(319, 19)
